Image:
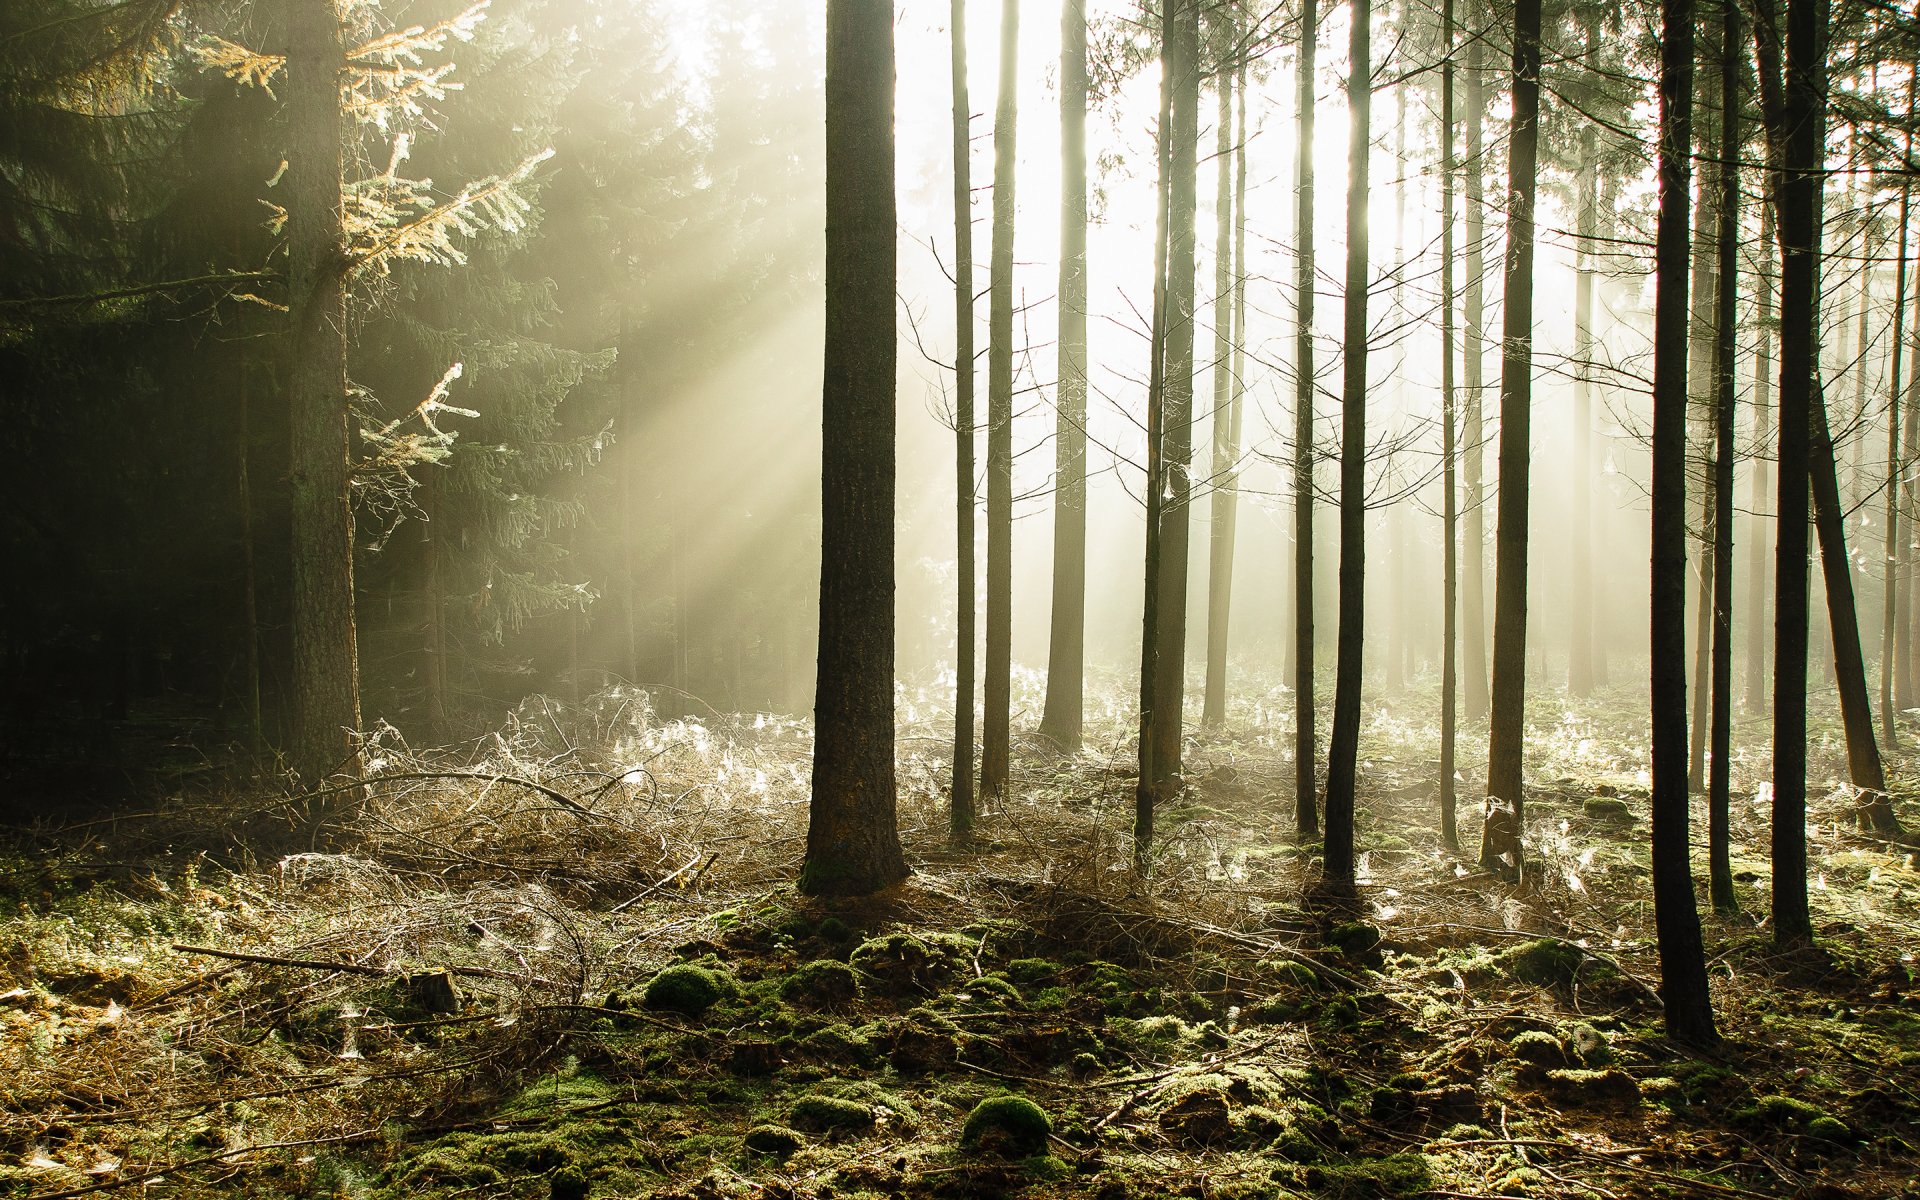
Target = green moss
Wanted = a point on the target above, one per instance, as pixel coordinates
(992, 989)
(686, 989)
(1833, 1129)
(1297, 975)
(1590, 1046)
(1539, 1048)
(1009, 1124)
(1373, 1178)
(823, 983)
(1355, 939)
(776, 1141)
(1607, 809)
(840, 1043)
(1581, 1086)
(1547, 962)
(1035, 972)
(830, 1114)
(568, 1183)
(834, 930)
(1781, 1112)
(914, 959)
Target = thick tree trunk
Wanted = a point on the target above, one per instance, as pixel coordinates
(1500, 846)
(1306, 808)
(1473, 439)
(1183, 63)
(853, 844)
(326, 663)
(1226, 405)
(1756, 688)
(1067, 634)
(1580, 596)
(1683, 972)
(962, 813)
(1344, 745)
(1720, 764)
(997, 736)
(1449, 451)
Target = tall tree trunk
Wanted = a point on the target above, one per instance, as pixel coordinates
(1146, 788)
(1580, 598)
(1762, 493)
(1890, 612)
(1726, 348)
(1500, 845)
(1306, 809)
(326, 661)
(997, 736)
(962, 813)
(1183, 61)
(1473, 439)
(853, 843)
(1067, 634)
(1450, 505)
(1683, 971)
(1343, 748)
(1794, 102)
(1226, 449)
(1904, 633)
(1701, 389)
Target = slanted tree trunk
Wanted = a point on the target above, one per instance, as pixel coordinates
(1580, 597)
(1473, 439)
(962, 813)
(853, 844)
(1500, 844)
(1449, 451)
(997, 736)
(1756, 689)
(1306, 809)
(1060, 721)
(326, 661)
(1683, 969)
(1226, 390)
(1890, 612)
(1344, 745)
(1183, 61)
(1794, 104)
(1720, 764)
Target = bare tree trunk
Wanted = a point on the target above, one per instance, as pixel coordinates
(249, 576)
(1580, 597)
(1449, 451)
(1720, 765)
(1067, 634)
(998, 734)
(1226, 408)
(1701, 389)
(1344, 746)
(1762, 493)
(1306, 811)
(326, 663)
(1500, 846)
(853, 843)
(960, 817)
(1176, 534)
(1890, 612)
(1683, 971)
(1473, 439)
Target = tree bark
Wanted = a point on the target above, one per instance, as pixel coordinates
(1306, 809)
(997, 736)
(1683, 972)
(1702, 392)
(1726, 348)
(1501, 841)
(1890, 612)
(1183, 64)
(1067, 633)
(1756, 688)
(1580, 597)
(326, 664)
(1344, 745)
(1226, 393)
(961, 815)
(853, 843)
(1473, 440)
(1449, 452)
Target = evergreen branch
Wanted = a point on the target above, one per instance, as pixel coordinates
(145, 289)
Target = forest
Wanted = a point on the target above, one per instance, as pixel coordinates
(840, 599)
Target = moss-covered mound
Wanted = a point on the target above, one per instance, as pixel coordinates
(1007, 1124)
(687, 989)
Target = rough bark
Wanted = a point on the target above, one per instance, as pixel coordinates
(1726, 334)
(1500, 846)
(1449, 452)
(1473, 439)
(1226, 449)
(1756, 689)
(853, 844)
(1306, 808)
(997, 733)
(1060, 721)
(962, 812)
(1344, 743)
(1580, 594)
(1890, 592)
(326, 665)
(1701, 392)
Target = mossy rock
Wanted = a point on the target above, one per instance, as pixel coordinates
(838, 1043)
(1607, 810)
(1593, 1089)
(835, 931)
(1540, 1049)
(903, 959)
(823, 983)
(1797, 1115)
(1831, 1129)
(1298, 976)
(991, 991)
(686, 989)
(1545, 962)
(775, 1141)
(1355, 939)
(1590, 1046)
(1007, 1124)
(830, 1114)
(1035, 972)
(1372, 1178)
(568, 1183)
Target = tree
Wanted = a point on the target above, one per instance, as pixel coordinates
(1449, 452)
(1067, 634)
(1473, 616)
(1501, 841)
(1306, 811)
(963, 431)
(853, 844)
(1725, 385)
(1580, 673)
(1228, 293)
(1343, 749)
(997, 737)
(1756, 682)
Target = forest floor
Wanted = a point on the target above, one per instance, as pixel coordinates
(567, 961)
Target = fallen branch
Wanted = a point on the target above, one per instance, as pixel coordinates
(223, 1156)
(346, 968)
